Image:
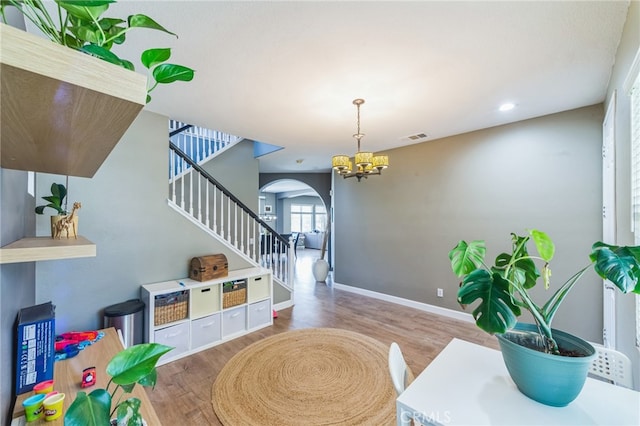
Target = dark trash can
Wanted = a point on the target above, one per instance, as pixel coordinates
(128, 317)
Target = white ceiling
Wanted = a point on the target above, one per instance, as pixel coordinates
(294, 188)
(286, 73)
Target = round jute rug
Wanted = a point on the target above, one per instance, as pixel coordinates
(315, 376)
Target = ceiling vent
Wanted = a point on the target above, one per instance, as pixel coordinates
(419, 137)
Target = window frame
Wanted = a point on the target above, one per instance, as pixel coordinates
(632, 88)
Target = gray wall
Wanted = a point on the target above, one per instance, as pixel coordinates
(625, 305)
(17, 280)
(237, 170)
(139, 238)
(394, 232)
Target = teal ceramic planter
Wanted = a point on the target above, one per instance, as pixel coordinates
(549, 379)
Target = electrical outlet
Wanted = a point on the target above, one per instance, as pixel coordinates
(440, 292)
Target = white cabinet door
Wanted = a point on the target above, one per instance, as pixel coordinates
(176, 336)
(259, 288)
(205, 331)
(259, 313)
(205, 301)
(234, 321)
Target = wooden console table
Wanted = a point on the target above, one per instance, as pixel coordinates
(67, 375)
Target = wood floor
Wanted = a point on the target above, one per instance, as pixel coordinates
(182, 395)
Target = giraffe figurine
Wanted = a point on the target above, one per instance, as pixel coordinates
(67, 222)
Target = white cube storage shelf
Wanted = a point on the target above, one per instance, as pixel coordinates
(206, 324)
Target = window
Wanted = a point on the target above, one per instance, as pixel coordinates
(320, 218)
(308, 217)
(634, 80)
(635, 158)
(301, 217)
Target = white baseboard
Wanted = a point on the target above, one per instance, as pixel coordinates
(283, 305)
(406, 302)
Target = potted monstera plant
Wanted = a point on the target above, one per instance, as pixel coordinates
(110, 406)
(548, 365)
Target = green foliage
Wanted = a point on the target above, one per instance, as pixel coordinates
(58, 194)
(497, 313)
(502, 289)
(90, 409)
(134, 365)
(466, 258)
(81, 26)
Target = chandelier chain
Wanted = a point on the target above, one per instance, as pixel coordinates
(358, 135)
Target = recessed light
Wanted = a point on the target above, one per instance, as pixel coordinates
(507, 107)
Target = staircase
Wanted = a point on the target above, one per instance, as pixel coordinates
(198, 143)
(200, 198)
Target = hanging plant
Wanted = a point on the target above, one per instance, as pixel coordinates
(80, 25)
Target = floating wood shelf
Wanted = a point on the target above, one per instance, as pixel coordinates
(46, 248)
(61, 111)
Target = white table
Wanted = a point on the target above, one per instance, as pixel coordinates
(468, 384)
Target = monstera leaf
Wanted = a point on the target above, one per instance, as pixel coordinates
(497, 311)
(135, 363)
(618, 264)
(522, 271)
(466, 257)
(89, 410)
(128, 412)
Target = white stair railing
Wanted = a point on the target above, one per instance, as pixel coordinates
(198, 143)
(198, 196)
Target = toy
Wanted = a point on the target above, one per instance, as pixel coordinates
(88, 377)
(68, 345)
(80, 335)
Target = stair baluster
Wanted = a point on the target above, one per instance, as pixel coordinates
(224, 216)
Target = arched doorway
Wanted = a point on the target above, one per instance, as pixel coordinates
(292, 207)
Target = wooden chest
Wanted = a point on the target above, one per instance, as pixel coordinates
(204, 268)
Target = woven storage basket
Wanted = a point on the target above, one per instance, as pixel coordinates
(171, 307)
(235, 294)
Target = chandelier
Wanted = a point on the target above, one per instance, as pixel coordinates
(367, 163)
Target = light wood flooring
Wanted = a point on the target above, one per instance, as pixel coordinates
(182, 395)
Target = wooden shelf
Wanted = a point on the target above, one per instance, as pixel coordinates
(46, 248)
(61, 111)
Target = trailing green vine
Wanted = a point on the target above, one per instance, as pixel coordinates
(81, 26)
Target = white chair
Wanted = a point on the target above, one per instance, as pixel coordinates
(121, 337)
(612, 366)
(398, 368)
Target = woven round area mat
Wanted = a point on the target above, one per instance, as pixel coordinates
(315, 376)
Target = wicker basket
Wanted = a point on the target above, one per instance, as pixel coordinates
(171, 307)
(234, 293)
